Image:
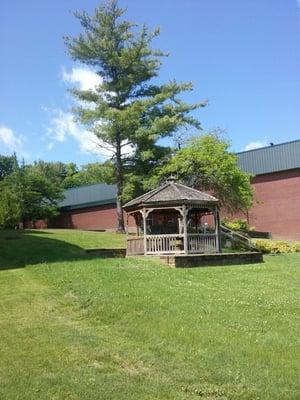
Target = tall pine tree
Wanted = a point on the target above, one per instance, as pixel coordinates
(128, 110)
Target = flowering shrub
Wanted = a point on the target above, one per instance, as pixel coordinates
(276, 246)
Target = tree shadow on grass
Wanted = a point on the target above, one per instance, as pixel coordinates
(21, 248)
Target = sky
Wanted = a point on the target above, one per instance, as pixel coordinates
(243, 56)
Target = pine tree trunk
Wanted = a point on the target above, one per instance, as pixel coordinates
(119, 179)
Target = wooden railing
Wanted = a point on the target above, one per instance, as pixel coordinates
(234, 236)
(164, 244)
(202, 243)
(173, 244)
(135, 246)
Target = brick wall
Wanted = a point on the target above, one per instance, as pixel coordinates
(39, 224)
(276, 206)
(92, 218)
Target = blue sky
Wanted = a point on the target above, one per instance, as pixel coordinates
(242, 55)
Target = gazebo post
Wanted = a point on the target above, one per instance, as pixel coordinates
(127, 218)
(184, 220)
(144, 214)
(218, 230)
(137, 222)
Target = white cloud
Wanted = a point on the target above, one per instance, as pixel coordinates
(64, 126)
(256, 145)
(83, 77)
(12, 141)
(50, 146)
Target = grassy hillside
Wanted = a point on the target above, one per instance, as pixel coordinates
(77, 327)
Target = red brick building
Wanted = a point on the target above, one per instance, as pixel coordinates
(91, 207)
(276, 181)
(276, 209)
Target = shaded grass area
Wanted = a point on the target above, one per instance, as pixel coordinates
(20, 248)
(76, 327)
(87, 239)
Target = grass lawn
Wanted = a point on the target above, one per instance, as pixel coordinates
(74, 326)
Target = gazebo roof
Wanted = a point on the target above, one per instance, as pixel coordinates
(171, 193)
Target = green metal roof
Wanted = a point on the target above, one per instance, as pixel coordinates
(279, 157)
(88, 196)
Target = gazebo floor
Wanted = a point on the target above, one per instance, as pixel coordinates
(210, 260)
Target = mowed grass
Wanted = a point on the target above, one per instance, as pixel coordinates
(74, 326)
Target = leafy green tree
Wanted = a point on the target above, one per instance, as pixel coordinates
(90, 174)
(8, 164)
(40, 195)
(143, 172)
(36, 195)
(128, 111)
(56, 172)
(207, 164)
(10, 207)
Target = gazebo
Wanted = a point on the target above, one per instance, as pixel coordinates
(174, 219)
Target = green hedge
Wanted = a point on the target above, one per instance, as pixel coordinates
(276, 246)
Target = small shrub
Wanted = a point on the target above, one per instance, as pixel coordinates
(237, 225)
(275, 246)
(297, 247)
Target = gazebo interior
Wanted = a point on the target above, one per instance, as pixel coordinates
(174, 219)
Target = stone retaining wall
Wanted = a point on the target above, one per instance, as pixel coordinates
(107, 252)
(209, 260)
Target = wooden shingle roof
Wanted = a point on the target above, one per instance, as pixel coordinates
(171, 193)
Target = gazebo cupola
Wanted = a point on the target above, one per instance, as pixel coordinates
(174, 219)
